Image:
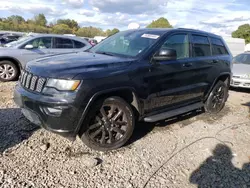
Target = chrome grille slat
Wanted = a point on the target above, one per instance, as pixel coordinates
(32, 82)
(24, 78)
(27, 84)
(40, 84)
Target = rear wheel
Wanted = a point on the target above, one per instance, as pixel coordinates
(217, 98)
(8, 71)
(110, 124)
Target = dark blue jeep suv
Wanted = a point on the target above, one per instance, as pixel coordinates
(135, 75)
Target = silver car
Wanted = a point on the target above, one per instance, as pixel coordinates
(241, 71)
(16, 54)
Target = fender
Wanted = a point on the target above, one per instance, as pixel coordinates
(135, 102)
(216, 80)
(16, 60)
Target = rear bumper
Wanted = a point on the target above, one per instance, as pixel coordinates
(60, 115)
(239, 82)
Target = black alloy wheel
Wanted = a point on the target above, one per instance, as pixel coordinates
(217, 98)
(110, 126)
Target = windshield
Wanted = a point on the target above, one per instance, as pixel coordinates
(126, 43)
(242, 59)
(19, 41)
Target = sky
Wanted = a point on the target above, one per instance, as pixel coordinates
(217, 16)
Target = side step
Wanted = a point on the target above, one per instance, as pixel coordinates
(173, 113)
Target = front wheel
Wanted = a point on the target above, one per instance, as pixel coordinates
(217, 98)
(8, 71)
(110, 124)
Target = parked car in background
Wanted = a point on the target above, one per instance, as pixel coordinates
(7, 38)
(136, 75)
(15, 56)
(241, 71)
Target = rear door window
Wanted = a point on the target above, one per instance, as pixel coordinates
(201, 46)
(218, 48)
(63, 43)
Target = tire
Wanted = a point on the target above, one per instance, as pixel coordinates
(217, 98)
(8, 71)
(108, 125)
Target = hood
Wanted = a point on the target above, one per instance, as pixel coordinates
(240, 69)
(70, 65)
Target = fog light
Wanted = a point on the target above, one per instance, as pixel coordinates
(53, 111)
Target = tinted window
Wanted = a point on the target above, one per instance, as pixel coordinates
(242, 59)
(63, 43)
(218, 47)
(41, 43)
(201, 46)
(79, 44)
(179, 43)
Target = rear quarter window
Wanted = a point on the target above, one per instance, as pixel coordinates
(79, 44)
(218, 47)
(201, 46)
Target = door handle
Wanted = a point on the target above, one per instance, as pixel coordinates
(215, 61)
(187, 64)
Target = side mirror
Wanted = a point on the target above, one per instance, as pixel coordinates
(29, 46)
(165, 55)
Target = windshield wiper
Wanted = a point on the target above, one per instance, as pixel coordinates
(104, 53)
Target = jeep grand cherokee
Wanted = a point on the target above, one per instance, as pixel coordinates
(135, 75)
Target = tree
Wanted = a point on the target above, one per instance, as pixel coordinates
(114, 31)
(61, 29)
(243, 32)
(15, 19)
(71, 23)
(160, 23)
(40, 19)
(90, 32)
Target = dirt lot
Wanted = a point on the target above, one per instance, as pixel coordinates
(186, 151)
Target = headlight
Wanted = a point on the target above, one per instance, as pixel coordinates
(63, 85)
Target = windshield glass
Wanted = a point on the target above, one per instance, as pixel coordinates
(126, 43)
(242, 59)
(19, 41)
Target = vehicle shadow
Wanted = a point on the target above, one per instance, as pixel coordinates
(14, 128)
(219, 171)
(143, 128)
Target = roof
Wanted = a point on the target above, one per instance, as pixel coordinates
(165, 30)
(54, 35)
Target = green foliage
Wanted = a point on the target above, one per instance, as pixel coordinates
(39, 25)
(90, 32)
(40, 20)
(61, 29)
(160, 23)
(70, 23)
(243, 32)
(112, 32)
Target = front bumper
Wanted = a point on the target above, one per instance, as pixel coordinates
(40, 110)
(240, 82)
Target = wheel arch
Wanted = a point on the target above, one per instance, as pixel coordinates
(13, 60)
(225, 77)
(126, 93)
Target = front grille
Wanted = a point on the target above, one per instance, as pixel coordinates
(32, 82)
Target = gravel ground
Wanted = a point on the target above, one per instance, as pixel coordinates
(187, 151)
